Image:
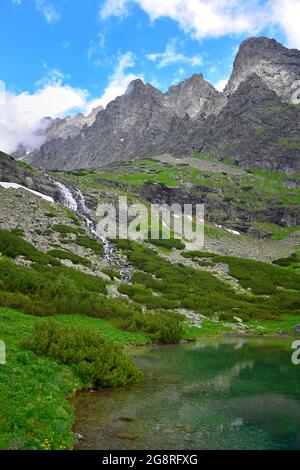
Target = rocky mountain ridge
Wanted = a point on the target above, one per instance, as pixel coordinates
(144, 122)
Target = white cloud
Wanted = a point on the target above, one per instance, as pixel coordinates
(20, 114)
(201, 18)
(118, 82)
(53, 77)
(221, 84)
(216, 18)
(114, 8)
(65, 44)
(286, 14)
(96, 49)
(17, 2)
(48, 10)
(171, 56)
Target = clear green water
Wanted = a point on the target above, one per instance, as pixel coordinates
(229, 393)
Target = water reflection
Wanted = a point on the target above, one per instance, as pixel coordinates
(231, 393)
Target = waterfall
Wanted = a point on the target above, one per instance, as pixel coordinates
(75, 200)
(67, 197)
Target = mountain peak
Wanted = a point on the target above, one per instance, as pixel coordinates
(193, 96)
(260, 42)
(276, 65)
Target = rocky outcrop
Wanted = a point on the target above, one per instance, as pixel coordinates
(135, 125)
(251, 123)
(195, 97)
(255, 129)
(15, 172)
(71, 125)
(276, 65)
(51, 129)
(219, 210)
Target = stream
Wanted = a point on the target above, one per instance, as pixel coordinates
(74, 199)
(225, 393)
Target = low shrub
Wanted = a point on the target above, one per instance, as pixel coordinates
(96, 360)
(169, 244)
(166, 327)
(65, 229)
(90, 243)
(112, 273)
(65, 254)
(12, 245)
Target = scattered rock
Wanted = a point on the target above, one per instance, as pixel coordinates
(79, 436)
(297, 328)
(126, 435)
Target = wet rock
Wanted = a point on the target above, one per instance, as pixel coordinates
(126, 435)
(297, 328)
(79, 437)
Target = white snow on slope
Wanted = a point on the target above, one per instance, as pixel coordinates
(18, 186)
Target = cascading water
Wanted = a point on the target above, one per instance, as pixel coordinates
(76, 201)
(67, 197)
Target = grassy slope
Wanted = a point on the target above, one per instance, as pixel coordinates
(256, 189)
(34, 412)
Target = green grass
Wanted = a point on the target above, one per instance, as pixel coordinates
(291, 144)
(65, 254)
(34, 412)
(65, 229)
(160, 284)
(91, 243)
(261, 278)
(167, 243)
(94, 358)
(109, 328)
(133, 175)
(292, 261)
(259, 131)
(12, 245)
(112, 273)
(277, 232)
(249, 192)
(285, 325)
(49, 290)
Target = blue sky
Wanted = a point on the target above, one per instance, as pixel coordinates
(58, 56)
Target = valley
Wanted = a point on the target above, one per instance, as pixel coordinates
(105, 333)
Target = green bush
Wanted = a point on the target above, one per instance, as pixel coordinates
(91, 355)
(65, 229)
(65, 254)
(112, 273)
(166, 327)
(203, 292)
(90, 243)
(289, 260)
(12, 245)
(47, 290)
(171, 243)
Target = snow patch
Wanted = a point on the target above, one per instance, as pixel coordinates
(19, 186)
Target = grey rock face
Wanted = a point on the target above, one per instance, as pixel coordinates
(60, 129)
(195, 97)
(255, 129)
(70, 126)
(251, 123)
(13, 172)
(218, 209)
(135, 125)
(276, 65)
